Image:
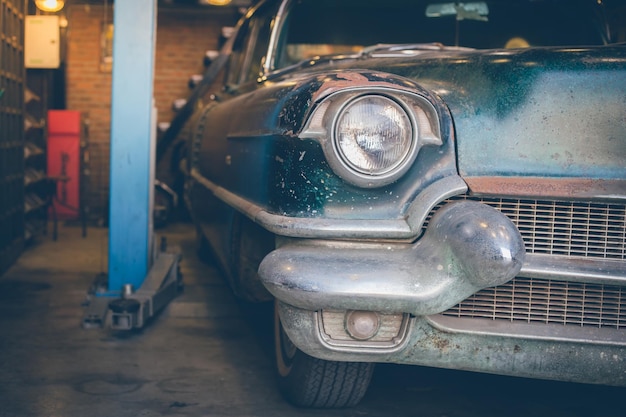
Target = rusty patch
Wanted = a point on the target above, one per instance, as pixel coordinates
(439, 342)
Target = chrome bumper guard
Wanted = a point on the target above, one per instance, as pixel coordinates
(468, 246)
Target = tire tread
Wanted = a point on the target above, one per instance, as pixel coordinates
(320, 383)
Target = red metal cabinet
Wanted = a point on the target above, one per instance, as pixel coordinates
(64, 159)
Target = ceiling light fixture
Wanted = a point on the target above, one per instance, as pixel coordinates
(50, 5)
(217, 2)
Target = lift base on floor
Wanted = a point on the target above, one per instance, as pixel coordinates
(131, 309)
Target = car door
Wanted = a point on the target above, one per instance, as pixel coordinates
(216, 147)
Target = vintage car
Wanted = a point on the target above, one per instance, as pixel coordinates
(427, 183)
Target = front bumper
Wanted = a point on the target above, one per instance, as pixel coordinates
(594, 356)
(468, 246)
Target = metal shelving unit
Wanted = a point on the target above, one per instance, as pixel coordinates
(12, 77)
(37, 193)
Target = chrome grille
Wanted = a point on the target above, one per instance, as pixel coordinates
(584, 229)
(548, 302)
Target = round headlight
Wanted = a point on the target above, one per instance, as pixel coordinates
(374, 135)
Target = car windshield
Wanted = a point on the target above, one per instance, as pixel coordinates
(327, 27)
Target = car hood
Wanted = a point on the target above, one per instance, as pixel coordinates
(541, 112)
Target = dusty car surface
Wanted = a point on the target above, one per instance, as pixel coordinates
(439, 184)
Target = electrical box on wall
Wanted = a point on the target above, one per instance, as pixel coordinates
(42, 42)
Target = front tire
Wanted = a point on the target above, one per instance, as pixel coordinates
(250, 244)
(306, 381)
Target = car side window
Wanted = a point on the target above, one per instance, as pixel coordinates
(250, 48)
(236, 57)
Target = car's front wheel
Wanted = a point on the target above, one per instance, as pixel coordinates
(306, 381)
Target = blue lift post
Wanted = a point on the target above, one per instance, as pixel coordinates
(132, 142)
(141, 277)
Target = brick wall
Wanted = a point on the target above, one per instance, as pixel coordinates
(183, 35)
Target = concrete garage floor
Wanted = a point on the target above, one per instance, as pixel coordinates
(205, 355)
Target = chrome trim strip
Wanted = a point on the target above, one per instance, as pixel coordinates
(270, 64)
(541, 187)
(525, 331)
(431, 196)
(398, 229)
(589, 270)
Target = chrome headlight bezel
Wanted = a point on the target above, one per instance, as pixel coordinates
(322, 125)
